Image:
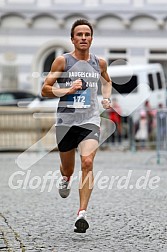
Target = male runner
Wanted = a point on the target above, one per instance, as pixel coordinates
(76, 75)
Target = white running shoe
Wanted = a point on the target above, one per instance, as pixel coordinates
(81, 224)
(64, 188)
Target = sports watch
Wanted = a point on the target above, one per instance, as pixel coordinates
(108, 99)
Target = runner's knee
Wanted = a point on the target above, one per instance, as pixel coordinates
(87, 164)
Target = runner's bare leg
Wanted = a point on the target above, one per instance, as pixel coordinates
(67, 162)
(87, 151)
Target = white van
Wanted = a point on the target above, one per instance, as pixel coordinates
(134, 84)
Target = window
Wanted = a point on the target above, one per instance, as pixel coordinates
(50, 58)
(151, 82)
(13, 21)
(48, 62)
(6, 97)
(130, 85)
(114, 61)
(116, 56)
(117, 51)
(158, 51)
(159, 80)
(163, 63)
(45, 21)
(110, 23)
(144, 23)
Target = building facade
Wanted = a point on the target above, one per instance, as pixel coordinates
(34, 32)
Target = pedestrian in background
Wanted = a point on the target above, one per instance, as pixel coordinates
(141, 135)
(162, 127)
(150, 118)
(115, 116)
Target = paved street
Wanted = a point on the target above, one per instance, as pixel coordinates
(127, 210)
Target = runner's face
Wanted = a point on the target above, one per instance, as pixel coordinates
(82, 37)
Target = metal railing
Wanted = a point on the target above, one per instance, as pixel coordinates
(22, 128)
(137, 131)
(161, 136)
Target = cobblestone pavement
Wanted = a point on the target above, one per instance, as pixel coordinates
(124, 215)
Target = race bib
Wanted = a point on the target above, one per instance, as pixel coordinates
(81, 99)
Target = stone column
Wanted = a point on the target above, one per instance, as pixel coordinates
(9, 72)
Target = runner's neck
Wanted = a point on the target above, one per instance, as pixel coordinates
(81, 56)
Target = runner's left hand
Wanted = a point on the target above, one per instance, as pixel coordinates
(106, 103)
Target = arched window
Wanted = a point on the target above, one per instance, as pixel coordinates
(48, 62)
(50, 57)
(13, 21)
(43, 61)
(110, 23)
(143, 23)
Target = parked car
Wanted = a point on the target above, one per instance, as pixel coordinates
(16, 98)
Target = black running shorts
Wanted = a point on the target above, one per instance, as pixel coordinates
(68, 138)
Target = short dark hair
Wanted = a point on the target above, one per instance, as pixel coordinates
(81, 22)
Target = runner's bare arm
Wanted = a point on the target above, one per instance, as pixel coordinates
(49, 89)
(106, 83)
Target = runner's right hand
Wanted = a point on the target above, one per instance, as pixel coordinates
(76, 85)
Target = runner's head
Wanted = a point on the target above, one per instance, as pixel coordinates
(81, 22)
